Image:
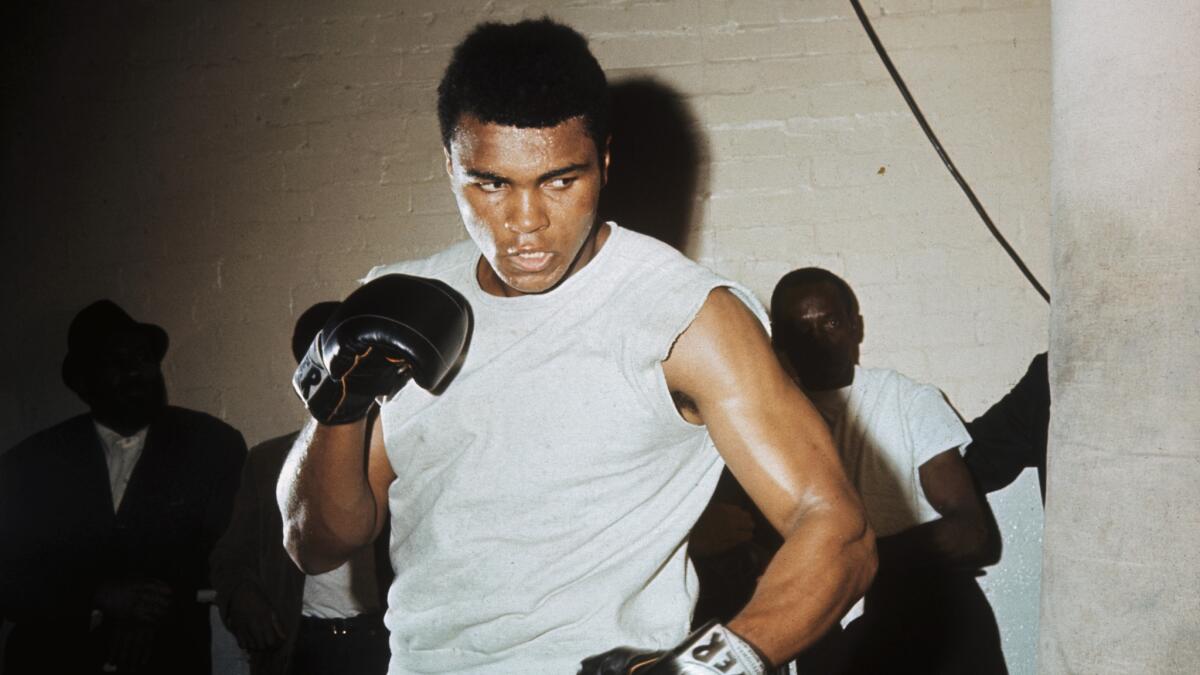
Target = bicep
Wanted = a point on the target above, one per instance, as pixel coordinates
(770, 436)
(947, 483)
(379, 474)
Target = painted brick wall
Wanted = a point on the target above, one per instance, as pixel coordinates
(217, 167)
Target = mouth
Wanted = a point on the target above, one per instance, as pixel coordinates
(531, 261)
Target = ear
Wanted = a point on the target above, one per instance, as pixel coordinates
(604, 161)
(449, 163)
(858, 329)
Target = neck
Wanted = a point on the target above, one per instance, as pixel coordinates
(829, 379)
(125, 429)
(124, 425)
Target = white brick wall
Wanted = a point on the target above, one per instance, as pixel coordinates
(217, 167)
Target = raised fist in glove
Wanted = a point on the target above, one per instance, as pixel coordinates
(390, 330)
(711, 650)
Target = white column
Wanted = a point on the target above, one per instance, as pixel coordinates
(1121, 565)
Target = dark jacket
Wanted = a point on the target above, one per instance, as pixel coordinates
(62, 539)
(251, 552)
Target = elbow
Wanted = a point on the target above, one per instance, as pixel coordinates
(309, 539)
(978, 544)
(297, 537)
(857, 557)
(307, 556)
(854, 549)
(312, 545)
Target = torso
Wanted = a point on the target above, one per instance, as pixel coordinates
(555, 446)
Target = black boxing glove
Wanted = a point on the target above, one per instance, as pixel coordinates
(711, 650)
(392, 329)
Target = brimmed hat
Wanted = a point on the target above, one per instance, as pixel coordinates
(91, 328)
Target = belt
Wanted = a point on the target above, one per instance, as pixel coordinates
(343, 626)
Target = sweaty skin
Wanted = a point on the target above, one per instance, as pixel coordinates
(528, 198)
(780, 450)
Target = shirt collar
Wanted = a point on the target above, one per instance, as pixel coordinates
(112, 440)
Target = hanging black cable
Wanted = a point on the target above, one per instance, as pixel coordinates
(937, 145)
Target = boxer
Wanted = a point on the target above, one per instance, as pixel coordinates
(540, 496)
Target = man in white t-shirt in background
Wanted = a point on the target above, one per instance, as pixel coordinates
(901, 445)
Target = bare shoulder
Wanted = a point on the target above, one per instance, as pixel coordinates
(723, 324)
(724, 344)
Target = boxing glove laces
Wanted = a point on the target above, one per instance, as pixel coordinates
(390, 330)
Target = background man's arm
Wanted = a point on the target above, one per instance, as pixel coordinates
(234, 566)
(332, 492)
(1012, 434)
(964, 537)
(233, 561)
(780, 450)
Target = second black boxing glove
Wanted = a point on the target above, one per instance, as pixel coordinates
(394, 328)
(711, 650)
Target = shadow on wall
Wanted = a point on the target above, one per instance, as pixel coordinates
(659, 162)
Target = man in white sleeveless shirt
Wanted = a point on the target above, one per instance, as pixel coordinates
(541, 496)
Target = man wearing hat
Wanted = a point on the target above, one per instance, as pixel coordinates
(107, 518)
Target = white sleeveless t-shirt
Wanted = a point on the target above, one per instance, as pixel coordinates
(543, 500)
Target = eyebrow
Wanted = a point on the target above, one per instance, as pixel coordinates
(570, 168)
(486, 175)
(549, 175)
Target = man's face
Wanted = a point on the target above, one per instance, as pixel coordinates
(818, 336)
(528, 198)
(124, 385)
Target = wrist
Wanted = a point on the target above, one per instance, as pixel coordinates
(747, 653)
(715, 646)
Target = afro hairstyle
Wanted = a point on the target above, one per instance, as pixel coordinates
(531, 74)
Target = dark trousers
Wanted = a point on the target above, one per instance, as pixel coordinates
(930, 623)
(354, 646)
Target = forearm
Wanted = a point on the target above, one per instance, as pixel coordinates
(955, 541)
(824, 566)
(325, 497)
(234, 556)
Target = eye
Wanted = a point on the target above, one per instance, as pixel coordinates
(490, 186)
(561, 183)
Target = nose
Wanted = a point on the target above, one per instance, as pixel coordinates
(808, 330)
(528, 214)
(135, 368)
